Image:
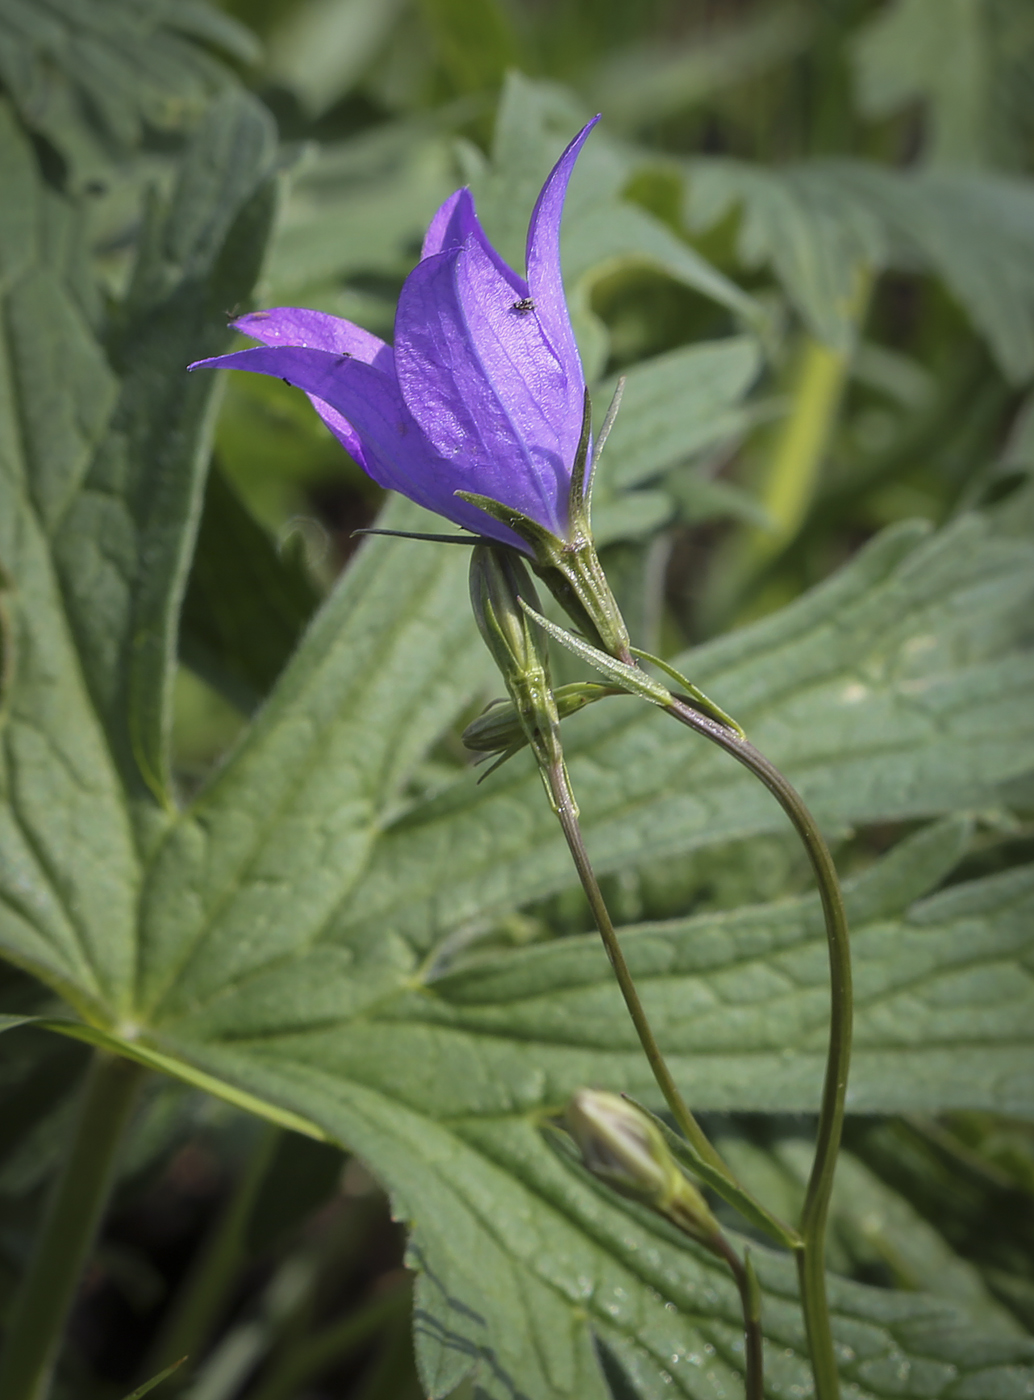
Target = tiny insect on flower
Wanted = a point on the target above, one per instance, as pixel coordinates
(477, 395)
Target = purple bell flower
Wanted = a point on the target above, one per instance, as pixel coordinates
(484, 390)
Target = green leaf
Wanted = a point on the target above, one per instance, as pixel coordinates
(261, 864)
(676, 405)
(101, 485)
(247, 604)
(93, 76)
(817, 223)
(122, 544)
(871, 1226)
(473, 39)
(358, 206)
(321, 50)
(937, 52)
(294, 940)
(898, 689)
(440, 1086)
(796, 222)
(656, 80)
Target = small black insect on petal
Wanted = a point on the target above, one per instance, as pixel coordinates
(523, 306)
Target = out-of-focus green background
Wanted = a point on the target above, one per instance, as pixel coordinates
(806, 232)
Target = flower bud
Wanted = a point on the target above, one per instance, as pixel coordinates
(621, 1146)
(499, 727)
(498, 579)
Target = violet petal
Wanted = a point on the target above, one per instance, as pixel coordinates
(484, 384)
(287, 326)
(453, 224)
(315, 330)
(545, 280)
(391, 447)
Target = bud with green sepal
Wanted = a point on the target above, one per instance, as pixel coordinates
(498, 582)
(620, 1145)
(498, 728)
(623, 1146)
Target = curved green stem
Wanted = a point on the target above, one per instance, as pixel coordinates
(74, 1211)
(746, 1282)
(811, 1265)
(706, 1161)
(750, 1296)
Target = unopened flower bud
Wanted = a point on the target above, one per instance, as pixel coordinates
(621, 1146)
(499, 727)
(498, 579)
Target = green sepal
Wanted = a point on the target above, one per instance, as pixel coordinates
(580, 497)
(727, 1187)
(583, 481)
(570, 569)
(468, 540)
(628, 678)
(498, 726)
(542, 542)
(700, 700)
(498, 578)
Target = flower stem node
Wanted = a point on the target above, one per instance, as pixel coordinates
(620, 1145)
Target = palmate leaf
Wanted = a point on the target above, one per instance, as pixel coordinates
(444, 1086)
(101, 464)
(289, 940)
(939, 54)
(818, 223)
(359, 206)
(93, 75)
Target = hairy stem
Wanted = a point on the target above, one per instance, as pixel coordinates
(811, 1265)
(77, 1201)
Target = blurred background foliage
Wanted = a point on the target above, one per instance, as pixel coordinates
(806, 232)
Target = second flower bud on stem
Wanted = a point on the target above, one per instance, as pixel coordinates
(622, 1147)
